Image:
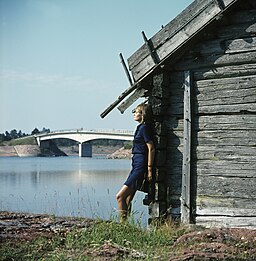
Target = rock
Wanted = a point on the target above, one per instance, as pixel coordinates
(27, 150)
(121, 154)
(8, 151)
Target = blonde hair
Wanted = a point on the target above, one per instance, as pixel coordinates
(146, 111)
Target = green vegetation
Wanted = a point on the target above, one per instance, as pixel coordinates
(104, 238)
(109, 240)
(14, 134)
(128, 145)
(30, 140)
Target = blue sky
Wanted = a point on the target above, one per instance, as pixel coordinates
(59, 59)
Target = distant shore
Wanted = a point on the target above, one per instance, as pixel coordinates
(110, 152)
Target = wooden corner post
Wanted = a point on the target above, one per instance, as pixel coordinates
(185, 197)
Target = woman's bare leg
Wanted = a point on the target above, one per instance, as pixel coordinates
(124, 197)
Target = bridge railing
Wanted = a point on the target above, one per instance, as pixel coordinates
(82, 130)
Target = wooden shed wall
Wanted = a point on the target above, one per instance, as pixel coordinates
(223, 163)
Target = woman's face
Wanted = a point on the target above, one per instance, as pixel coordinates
(137, 115)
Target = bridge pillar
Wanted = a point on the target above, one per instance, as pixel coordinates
(85, 149)
(45, 144)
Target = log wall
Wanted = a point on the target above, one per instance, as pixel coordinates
(223, 165)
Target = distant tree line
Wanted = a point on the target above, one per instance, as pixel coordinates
(14, 134)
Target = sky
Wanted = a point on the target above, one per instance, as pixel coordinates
(59, 59)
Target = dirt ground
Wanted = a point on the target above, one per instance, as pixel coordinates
(17, 227)
(218, 244)
(204, 244)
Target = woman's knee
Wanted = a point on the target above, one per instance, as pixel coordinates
(119, 197)
(123, 193)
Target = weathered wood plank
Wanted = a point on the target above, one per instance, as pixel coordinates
(187, 16)
(241, 45)
(220, 94)
(174, 183)
(226, 134)
(222, 221)
(213, 122)
(222, 46)
(176, 109)
(225, 71)
(225, 206)
(226, 139)
(226, 186)
(173, 123)
(226, 97)
(176, 41)
(229, 165)
(174, 173)
(184, 18)
(237, 30)
(206, 152)
(175, 141)
(169, 30)
(131, 99)
(227, 211)
(174, 161)
(243, 16)
(224, 172)
(226, 3)
(185, 197)
(226, 83)
(224, 122)
(217, 139)
(227, 108)
(232, 94)
(210, 61)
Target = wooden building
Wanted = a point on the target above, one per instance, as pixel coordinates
(199, 74)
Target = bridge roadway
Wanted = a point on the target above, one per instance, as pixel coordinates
(83, 137)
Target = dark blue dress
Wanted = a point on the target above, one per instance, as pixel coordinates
(140, 157)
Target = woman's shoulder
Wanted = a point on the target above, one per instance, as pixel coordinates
(142, 126)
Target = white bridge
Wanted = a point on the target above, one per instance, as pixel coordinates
(83, 137)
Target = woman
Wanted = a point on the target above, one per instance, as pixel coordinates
(142, 161)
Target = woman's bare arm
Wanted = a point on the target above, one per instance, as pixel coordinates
(151, 157)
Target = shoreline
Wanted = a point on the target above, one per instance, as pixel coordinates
(110, 152)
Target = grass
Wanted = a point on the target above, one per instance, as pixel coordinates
(30, 140)
(109, 240)
(103, 238)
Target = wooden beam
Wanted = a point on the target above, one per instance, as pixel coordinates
(119, 99)
(150, 48)
(131, 99)
(126, 69)
(185, 197)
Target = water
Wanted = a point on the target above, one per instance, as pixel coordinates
(65, 186)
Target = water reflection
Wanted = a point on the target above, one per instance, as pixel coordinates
(66, 186)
